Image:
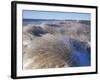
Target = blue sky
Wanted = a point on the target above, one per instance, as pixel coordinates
(29, 14)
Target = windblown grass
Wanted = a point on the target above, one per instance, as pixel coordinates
(50, 46)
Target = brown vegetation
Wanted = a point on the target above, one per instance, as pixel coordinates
(52, 48)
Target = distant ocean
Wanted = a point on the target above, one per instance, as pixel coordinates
(50, 21)
(37, 21)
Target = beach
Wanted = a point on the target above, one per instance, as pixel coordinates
(56, 43)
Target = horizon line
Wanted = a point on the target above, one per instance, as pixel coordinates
(55, 19)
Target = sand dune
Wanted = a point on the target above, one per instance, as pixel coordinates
(56, 45)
